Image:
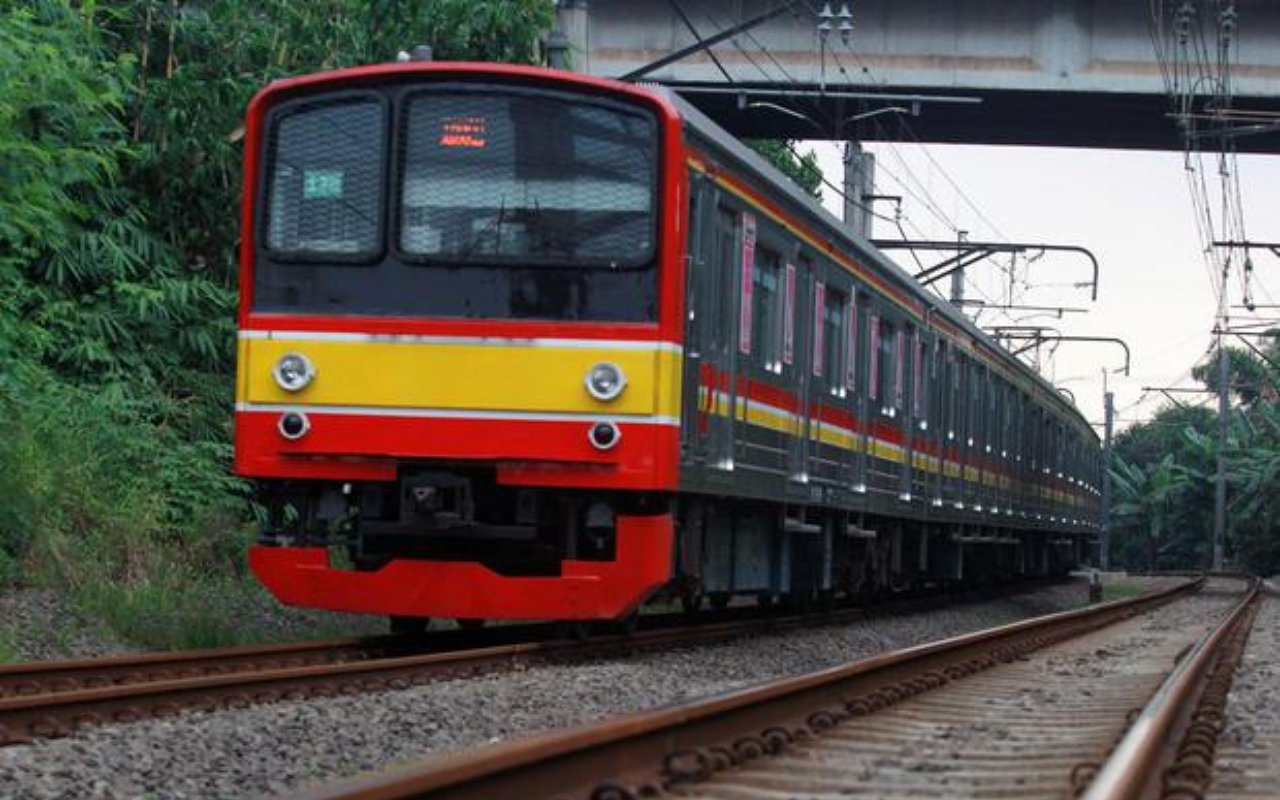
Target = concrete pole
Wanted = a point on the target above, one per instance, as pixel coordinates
(1220, 490)
(1108, 424)
(859, 182)
(957, 277)
(573, 20)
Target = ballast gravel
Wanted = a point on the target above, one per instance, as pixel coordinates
(40, 625)
(1248, 757)
(278, 748)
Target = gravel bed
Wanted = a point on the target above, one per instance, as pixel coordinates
(276, 748)
(40, 625)
(1248, 759)
(1048, 711)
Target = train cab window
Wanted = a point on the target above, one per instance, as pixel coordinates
(324, 193)
(829, 338)
(531, 178)
(767, 295)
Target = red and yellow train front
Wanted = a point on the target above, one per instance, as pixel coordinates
(459, 361)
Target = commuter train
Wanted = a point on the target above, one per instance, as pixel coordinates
(517, 343)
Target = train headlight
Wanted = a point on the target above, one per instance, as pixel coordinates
(605, 381)
(293, 372)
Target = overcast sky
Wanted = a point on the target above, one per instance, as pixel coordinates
(1133, 209)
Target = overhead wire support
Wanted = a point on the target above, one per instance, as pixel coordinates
(710, 41)
(1274, 247)
(1036, 338)
(971, 252)
(1058, 311)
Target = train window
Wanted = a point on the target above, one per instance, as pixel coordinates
(851, 346)
(917, 375)
(789, 314)
(886, 375)
(830, 335)
(873, 365)
(324, 181)
(484, 181)
(899, 369)
(768, 312)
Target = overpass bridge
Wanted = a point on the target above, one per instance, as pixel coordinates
(1081, 73)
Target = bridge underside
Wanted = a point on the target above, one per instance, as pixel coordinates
(1082, 73)
(1004, 117)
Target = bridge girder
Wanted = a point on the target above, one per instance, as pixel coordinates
(1048, 72)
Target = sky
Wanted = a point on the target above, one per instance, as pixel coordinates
(1132, 209)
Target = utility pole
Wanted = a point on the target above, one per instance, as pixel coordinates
(957, 277)
(1220, 490)
(1224, 406)
(1108, 424)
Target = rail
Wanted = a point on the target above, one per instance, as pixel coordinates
(1143, 764)
(642, 754)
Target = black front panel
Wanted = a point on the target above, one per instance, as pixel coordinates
(507, 203)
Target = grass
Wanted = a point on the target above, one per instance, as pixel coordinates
(136, 525)
(1121, 590)
(8, 649)
(190, 611)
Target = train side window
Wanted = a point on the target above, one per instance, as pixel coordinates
(887, 383)
(918, 389)
(873, 362)
(899, 369)
(851, 345)
(767, 288)
(829, 338)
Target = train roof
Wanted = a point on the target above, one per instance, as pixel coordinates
(780, 184)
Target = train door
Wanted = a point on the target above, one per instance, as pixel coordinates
(921, 347)
(712, 330)
(906, 394)
(832, 382)
(859, 345)
(799, 272)
(887, 387)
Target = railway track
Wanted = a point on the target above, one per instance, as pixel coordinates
(54, 699)
(1030, 709)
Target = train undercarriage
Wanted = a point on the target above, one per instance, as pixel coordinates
(443, 542)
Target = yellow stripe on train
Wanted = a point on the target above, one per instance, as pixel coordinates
(508, 377)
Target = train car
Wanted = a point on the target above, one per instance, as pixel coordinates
(517, 343)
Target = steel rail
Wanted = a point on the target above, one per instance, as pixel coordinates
(1140, 765)
(42, 677)
(643, 754)
(45, 677)
(239, 677)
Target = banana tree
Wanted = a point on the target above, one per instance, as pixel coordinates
(1147, 500)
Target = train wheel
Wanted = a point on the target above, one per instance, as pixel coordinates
(627, 625)
(410, 626)
(691, 603)
(580, 629)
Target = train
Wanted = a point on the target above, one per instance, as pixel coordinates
(519, 343)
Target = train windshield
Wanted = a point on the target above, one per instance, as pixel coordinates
(460, 200)
(528, 178)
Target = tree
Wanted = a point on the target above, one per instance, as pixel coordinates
(803, 169)
(1147, 501)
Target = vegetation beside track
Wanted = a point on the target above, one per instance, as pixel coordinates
(120, 157)
(1164, 473)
